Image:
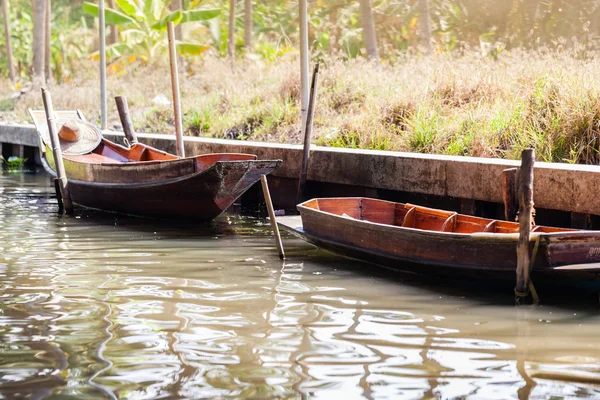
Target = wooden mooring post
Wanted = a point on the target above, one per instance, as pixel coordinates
(126, 122)
(525, 218)
(307, 136)
(509, 193)
(175, 89)
(57, 152)
(267, 194)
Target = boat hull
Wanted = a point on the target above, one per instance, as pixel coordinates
(348, 229)
(200, 196)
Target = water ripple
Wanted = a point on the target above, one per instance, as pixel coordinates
(103, 306)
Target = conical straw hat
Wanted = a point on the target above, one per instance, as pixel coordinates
(77, 137)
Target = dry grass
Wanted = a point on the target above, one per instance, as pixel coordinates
(445, 104)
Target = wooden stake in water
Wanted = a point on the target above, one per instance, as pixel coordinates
(175, 87)
(57, 152)
(525, 210)
(267, 194)
(102, 25)
(307, 136)
(125, 117)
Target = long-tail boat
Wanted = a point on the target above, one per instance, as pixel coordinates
(419, 239)
(144, 181)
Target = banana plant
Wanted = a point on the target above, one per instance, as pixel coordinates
(143, 23)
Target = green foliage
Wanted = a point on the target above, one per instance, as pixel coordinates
(13, 163)
(143, 24)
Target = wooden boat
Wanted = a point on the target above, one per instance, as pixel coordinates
(419, 239)
(145, 181)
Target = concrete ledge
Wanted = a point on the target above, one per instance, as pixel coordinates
(563, 187)
(19, 134)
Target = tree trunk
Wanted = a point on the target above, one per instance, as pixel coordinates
(368, 26)
(11, 67)
(39, 11)
(177, 5)
(425, 26)
(231, 31)
(336, 31)
(114, 30)
(47, 39)
(248, 24)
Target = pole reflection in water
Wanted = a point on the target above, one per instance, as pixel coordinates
(101, 306)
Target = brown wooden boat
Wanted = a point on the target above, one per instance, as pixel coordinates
(145, 181)
(420, 239)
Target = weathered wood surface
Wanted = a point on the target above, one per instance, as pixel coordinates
(199, 196)
(63, 184)
(198, 187)
(509, 193)
(443, 240)
(525, 220)
(125, 117)
(141, 180)
(175, 89)
(271, 211)
(307, 136)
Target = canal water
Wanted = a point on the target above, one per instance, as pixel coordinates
(100, 306)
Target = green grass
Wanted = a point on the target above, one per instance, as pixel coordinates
(458, 105)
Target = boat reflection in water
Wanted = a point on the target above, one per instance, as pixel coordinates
(101, 306)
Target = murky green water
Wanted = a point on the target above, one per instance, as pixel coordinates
(102, 307)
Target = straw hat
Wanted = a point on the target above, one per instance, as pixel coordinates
(78, 137)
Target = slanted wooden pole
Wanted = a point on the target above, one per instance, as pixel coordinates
(307, 135)
(102, 25)
(525, 210)
(175, 88)
(125, 117)
(509, 193)
(267, 194)
(11, 67)
(57, 152)
(61, 207)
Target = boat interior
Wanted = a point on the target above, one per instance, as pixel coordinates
(417, 217)
(111, 153)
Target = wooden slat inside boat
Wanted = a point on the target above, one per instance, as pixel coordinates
(421, 239)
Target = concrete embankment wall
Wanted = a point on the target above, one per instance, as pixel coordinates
(466, 184)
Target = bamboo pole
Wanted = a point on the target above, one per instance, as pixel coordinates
(102, 25)
(11, 67)
(231, 32)
(509, 193)
(125, 117)
(307, 135)
(56, 150)
(304, 97)
(525, 210)
(39, 45)
(48, 40)
(175, 88)
(267, 194)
